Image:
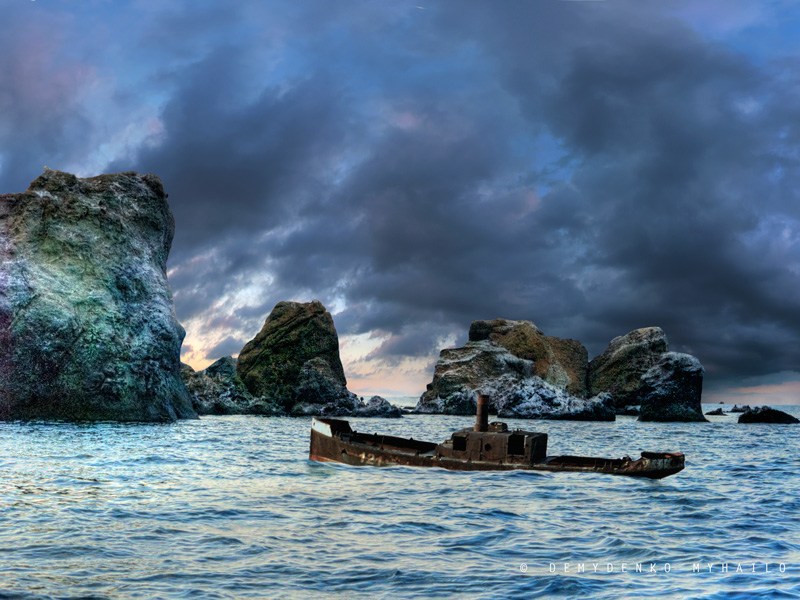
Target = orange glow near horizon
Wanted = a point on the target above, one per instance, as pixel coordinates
(787, 392)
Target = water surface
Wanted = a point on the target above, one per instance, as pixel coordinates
(231, 507)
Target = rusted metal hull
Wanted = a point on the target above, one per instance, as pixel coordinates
(332, 440)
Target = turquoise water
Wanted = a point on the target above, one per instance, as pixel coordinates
(230, 507)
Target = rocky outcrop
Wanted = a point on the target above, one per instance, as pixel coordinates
(87, 324)
(559, 362)
(670, 390)
(350, 406)
(293, 363)
(765, 414)
(319, 383)
(638, 369)
(740, 409)
(483, 366)
(276, 363)
(529, 374)
(619, 370)
(717, 412)
(217, 390)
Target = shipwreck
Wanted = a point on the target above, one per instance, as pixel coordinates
(485, 447)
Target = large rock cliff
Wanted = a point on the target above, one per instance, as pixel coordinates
(559, 362)
(620, 368)
(87, 324)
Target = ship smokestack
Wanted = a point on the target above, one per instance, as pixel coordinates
(482, 415)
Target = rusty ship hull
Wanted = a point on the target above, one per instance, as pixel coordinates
(494, 448)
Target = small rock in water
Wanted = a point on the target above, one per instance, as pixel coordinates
(765, 414)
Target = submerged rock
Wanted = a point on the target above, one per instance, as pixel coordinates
(510, 381)
(670, 390)
(87, 324)
(765, 414)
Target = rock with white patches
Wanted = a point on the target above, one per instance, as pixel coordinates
(87, 324)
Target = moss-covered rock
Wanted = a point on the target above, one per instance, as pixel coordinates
(294, 333)
(87, 324)
(293, 363)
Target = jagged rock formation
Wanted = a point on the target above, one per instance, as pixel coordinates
(217, 390)
(560, 362)
(765, 414)
(638, 369)
(349, 406)
(529, 374)
(87, 324)
(271, 364)
(671, 389)
(294, 363)
(619, 370)
(515, 389)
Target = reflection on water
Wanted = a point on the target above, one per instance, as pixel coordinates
(230, 507)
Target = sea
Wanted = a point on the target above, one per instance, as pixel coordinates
(230, 507)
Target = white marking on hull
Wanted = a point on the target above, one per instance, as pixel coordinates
(321, 428)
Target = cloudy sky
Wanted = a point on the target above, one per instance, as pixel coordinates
(594, 167)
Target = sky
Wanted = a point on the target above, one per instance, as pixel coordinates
(592, 166)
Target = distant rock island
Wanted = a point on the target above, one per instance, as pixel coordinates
(531, 375)
(87, 324)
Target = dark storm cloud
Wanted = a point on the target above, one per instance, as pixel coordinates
(240, 170)
(593, 167)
